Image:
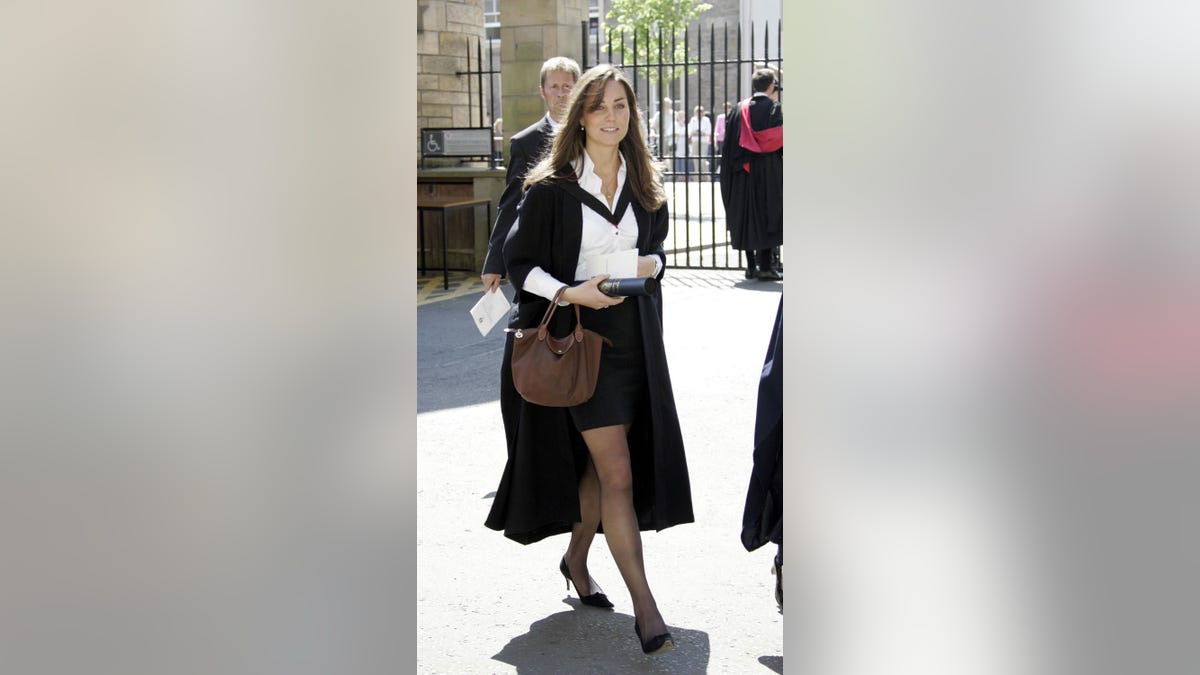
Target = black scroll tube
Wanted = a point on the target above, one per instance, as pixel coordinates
(623, 287)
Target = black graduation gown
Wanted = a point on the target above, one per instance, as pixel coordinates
(753, 201)
(762, 519)
(538, 494)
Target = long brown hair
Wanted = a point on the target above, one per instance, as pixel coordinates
(643, 174)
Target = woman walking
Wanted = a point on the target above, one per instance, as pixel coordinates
(618, 459)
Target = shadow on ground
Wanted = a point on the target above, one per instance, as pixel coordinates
(760, 285)
(775, 663)
(586, 640)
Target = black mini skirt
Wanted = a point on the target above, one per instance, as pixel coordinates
(621, 383)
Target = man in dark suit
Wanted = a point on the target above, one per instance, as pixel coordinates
(752, 176)
(558, 76)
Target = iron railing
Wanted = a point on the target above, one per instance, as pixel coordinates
(475, 85)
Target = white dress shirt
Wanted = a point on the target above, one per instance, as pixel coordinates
(599, 237)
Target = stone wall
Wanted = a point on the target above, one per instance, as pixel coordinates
(445, 31)
(532, 31)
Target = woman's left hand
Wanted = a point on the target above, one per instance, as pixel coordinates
(646, 265)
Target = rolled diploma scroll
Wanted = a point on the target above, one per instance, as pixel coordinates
(629, 286)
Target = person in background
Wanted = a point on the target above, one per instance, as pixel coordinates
(617, 458)
(719, 133)
(699, 131)
(679, 133)
(558, 76)
(762, 519)
(752, 176)
(661, 123)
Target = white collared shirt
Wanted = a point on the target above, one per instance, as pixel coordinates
(599, 237)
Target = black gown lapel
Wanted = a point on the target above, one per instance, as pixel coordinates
(598, 206)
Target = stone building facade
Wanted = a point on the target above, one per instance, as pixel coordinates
(446, 29)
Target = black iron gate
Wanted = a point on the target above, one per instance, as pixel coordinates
(717, 70)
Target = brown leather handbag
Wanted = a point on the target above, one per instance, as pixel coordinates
(556, 372)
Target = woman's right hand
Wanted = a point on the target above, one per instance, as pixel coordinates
(588, 295)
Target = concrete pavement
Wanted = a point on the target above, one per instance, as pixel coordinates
(489, 605)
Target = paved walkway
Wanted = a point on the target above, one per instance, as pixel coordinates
(489, 605)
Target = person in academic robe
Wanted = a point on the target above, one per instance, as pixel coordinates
(618, 458)
(752, 177)
(762, 518)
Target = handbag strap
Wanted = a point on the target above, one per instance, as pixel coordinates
(544, 326)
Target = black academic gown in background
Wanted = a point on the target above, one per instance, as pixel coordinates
(524, 150)
(538, 494)
(753, 201)
(762, 519)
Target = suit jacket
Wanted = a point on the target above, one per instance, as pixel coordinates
(538, 495)
(524, 150)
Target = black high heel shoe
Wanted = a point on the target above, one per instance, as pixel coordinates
(657, 644)
(593, 600)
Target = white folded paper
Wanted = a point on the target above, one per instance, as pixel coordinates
(622, 264)
(490, 309)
